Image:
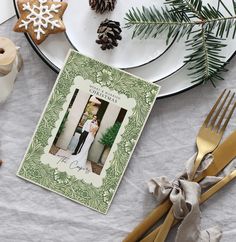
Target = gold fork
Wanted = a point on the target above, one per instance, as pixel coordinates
(208, 139)
(210, 133)
(159, 211)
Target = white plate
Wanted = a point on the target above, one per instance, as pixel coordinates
(81, 28)
(54, 50)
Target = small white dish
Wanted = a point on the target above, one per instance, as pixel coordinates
(81, 28)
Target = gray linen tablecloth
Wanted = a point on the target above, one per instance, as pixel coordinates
(31, 213)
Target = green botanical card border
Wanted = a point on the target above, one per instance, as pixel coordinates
(41, 174)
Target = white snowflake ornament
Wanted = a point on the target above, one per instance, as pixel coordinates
(39, 18)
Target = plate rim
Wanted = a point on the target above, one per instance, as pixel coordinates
(132, 67)
(195, 84)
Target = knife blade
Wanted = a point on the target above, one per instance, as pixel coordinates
(223, 155)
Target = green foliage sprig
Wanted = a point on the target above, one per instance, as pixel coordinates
(204, 27)
(110, 134)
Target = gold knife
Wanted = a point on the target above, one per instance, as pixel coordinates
(223, 155)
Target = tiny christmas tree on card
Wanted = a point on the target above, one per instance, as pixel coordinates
(67, 153)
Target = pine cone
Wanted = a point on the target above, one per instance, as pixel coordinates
(108, 33)
(101, 6)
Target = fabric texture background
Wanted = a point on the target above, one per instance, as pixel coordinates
(31, 213)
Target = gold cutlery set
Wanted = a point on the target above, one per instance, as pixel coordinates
(208, 142)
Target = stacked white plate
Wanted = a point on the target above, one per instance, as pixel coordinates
(150, 59)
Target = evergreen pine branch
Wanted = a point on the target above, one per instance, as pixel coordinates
(191, 7)
(206, 62)
(222, 26)
(150, 22)
(204, 25)
(209, 12)
(213, 19)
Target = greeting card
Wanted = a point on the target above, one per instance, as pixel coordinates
(88, 131)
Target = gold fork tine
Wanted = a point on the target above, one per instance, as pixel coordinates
(209, 132)
(219, 110)
(214, 108)
(228, 118)
(224, 113)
